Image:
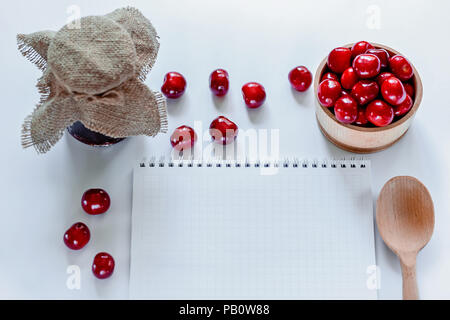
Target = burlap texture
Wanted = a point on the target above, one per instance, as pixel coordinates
(94, 74)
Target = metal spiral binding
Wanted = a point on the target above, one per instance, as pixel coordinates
(293, 162)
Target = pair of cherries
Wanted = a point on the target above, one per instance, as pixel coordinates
(254, 93)
(366, 85)
(222, 130)
(94, 202)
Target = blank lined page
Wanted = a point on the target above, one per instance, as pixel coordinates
(232, 233)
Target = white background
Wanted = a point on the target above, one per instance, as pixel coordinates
(255, 41)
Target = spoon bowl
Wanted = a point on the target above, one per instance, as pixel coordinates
(405, 219)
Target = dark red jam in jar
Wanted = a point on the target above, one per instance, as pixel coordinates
(86, 136)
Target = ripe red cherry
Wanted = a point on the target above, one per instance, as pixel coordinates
(77, 237)
(95, 201)
(404, 107)
(103, 265)
(382, 54)
(367, 66)
(346, 109)
(393, 91)
(183, 138)
(361, 120)
(330, 75)
(360, 48)
(349, 78)
(223, 130)
(380, 113)
(345, 93)
(339, 59)
(383, 76)
(300, 78)
(409, 88)
(401, 68)
(365, 91)
(219, 82)
(254, 95)
(174, 85)
(329, 91)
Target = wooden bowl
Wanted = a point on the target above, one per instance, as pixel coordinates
(360, 139)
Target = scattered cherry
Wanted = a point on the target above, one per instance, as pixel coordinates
(404, 107)
(380, 113)
(367, 66)
(174, 85)
(383, 76)
(346, 109)
(254, 95)
(300, 78)
(401, 67)
(360, 48)
(103, 265)
(361, 120)
(77, 237)
(339, 59)
(382, 54)
(95, 201)
(393, 91)
(223, 130)
(329, 91)
(183, 138)
(349, 78)
(365, 91)
(409, 88)
(330, 75)
(219, 82)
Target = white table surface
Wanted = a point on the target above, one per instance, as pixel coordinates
(255, 41)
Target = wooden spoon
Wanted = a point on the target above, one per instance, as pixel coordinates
(405, 219)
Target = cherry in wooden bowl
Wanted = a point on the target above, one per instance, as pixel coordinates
(359, 139)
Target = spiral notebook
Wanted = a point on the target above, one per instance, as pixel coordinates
(239, 230)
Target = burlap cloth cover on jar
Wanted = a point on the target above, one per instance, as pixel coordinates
(94, 73)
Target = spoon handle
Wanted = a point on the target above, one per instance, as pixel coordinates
(410, 291)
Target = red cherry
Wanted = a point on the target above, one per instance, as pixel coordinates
(380, 113)
(382, 54)
(223, 130)
(361, 120)
(360, 48)
(330, 75)
(383, 76)
(174, 85)
(300, 78)
(401, 68)
(339, 59)
(346, 109)
(254, 95)
(219, 82)
(183, 138)
(409, 88)
(349, 78)
(95, 201)
(103, 266)
(365, 91)
(77, 237)
(404, 107)
(367, 66)
(329, 91)
(393, 91)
